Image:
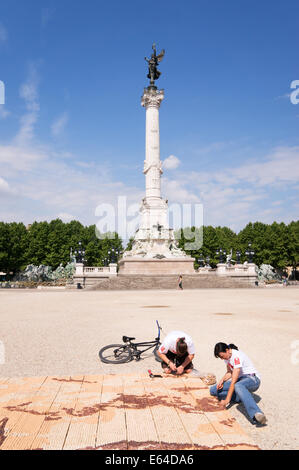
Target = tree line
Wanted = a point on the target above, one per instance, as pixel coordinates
(276, 244)
(50, 243)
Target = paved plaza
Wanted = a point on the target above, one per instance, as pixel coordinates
(116, 412)
(50, 342)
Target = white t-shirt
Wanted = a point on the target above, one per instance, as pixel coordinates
(169, 343)
(239, 360)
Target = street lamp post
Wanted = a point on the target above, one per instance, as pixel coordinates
(80, 254)
(112, 256)
(79, 257)
(249, 253)
(201, 261)
(221, 253)
(238, 257)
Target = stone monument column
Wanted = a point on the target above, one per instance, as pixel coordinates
(154, 209)
(154, 249)
(151, 100)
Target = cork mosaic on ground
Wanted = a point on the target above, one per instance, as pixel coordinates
(114, 412)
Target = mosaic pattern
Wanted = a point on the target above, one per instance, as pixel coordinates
(114, 412)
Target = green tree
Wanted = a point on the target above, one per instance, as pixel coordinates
(57, 248)
(293, 244)
(210, 244)
(50, 243)
(258, 234)
(13, 245)
(17, 246)
(279, 241)
(211, 239)
(98, 246)
(37, 243)
(4, 247)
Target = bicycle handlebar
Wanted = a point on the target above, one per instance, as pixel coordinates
(159, 329)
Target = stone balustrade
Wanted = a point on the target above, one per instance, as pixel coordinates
(96, 269)
(246, 269)
(204, 270)
(86, 275)
(240, 272)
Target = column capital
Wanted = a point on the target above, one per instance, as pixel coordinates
(152, 98)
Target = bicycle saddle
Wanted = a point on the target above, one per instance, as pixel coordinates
(127, 338)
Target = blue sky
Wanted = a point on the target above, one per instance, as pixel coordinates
(72, 128)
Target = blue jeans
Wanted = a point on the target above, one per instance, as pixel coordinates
(242, 393)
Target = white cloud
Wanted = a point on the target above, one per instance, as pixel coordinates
(285, 96)
(48, 182)
(3, 112)
(29, 93)
(85, 164)
(3, 34)
(4, 187)
(171, 162)
(281, 166)
(66, 217)
(215, 147)
(46, 16)
(16, 158)
(234, 196)
(59, 124)
(176, 191)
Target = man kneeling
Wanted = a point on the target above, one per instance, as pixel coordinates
(177, 352)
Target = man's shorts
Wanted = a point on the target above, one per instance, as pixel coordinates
(177, 360)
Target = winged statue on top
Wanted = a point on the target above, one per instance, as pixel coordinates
(153, 72)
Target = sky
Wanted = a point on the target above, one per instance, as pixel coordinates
(72, 129)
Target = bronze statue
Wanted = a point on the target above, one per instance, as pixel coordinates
(153, 72)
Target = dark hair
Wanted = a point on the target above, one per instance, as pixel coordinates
(181, 347)
(222, 347)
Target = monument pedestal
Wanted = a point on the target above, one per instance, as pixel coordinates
(150, 266)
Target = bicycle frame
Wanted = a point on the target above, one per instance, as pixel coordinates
(151, 344)
(137, 352)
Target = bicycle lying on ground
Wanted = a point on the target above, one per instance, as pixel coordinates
(126, 352)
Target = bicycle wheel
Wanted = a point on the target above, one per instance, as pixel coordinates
(115, 354)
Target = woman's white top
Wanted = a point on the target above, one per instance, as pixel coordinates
(239, 360)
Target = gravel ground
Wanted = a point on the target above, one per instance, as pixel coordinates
(60, 332)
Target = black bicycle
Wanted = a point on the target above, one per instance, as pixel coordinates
(126, 352)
